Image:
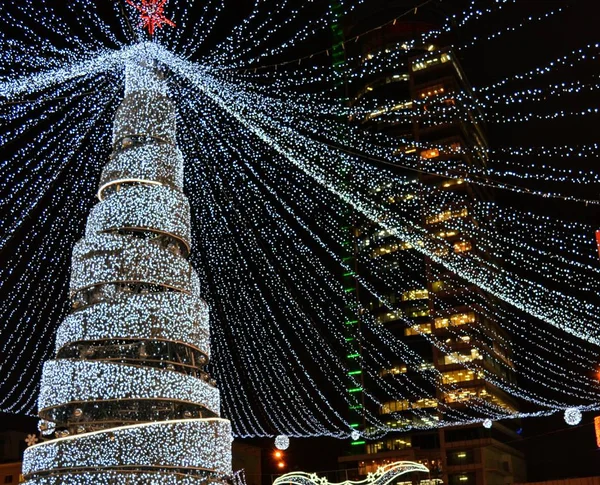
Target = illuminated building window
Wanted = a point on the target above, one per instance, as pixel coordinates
(394, 406)
(431, 91)
(390, 444)
(424, 328)
(389, 316)
(438, 286)
(461, 376)
(447, 215)
(447, 234)
(424, 403)
(463, 395)
(459, 357)
(417, 312)
(390, 248)
(462, 246)
(419, 294)
(443, 251)
(430, 153)
(425, 63)
(451, 183)
(398, 369)
(379, 235)
(455, 320)
(385, 249)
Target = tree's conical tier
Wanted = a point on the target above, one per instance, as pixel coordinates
(128, 397)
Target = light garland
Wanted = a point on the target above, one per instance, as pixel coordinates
(191, 443)
(156, 208)
(67, 381)
(162, 164)
(382, 476)
(173, 316)
(107, 258)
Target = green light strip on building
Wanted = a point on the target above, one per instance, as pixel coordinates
(354, 372)
(358, 443)
(353, 356)
(355, 389)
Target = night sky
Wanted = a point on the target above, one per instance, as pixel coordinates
(553, 449)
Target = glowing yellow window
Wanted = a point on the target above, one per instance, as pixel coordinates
(462, 246)
(424, 328)
(431, 153)
(419, 294)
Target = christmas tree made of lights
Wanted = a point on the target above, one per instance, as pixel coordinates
(127, 398)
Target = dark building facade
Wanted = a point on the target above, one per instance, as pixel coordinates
(418, 93)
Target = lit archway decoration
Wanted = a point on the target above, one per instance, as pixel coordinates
(384, 475)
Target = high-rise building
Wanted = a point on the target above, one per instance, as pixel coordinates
(127, 398)
(419, 94)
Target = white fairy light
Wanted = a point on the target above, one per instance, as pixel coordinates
(174, 316)
(191, 443)
(67, 381)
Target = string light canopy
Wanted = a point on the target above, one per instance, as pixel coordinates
(267, 147)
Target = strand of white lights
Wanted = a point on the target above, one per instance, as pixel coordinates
(490, 377)
(568, 61)
(307, 30)
(101, 62)
(242, 157)
(260, 222)
(51, 249)
(540, 94)
(232, 385)
(325, 363)
(579, 151)
(372, 148)
(244, 345)
(512, 28)
(27, 194)
(497, 286)
(205, 16)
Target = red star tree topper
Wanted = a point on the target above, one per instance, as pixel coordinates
(152, 13)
